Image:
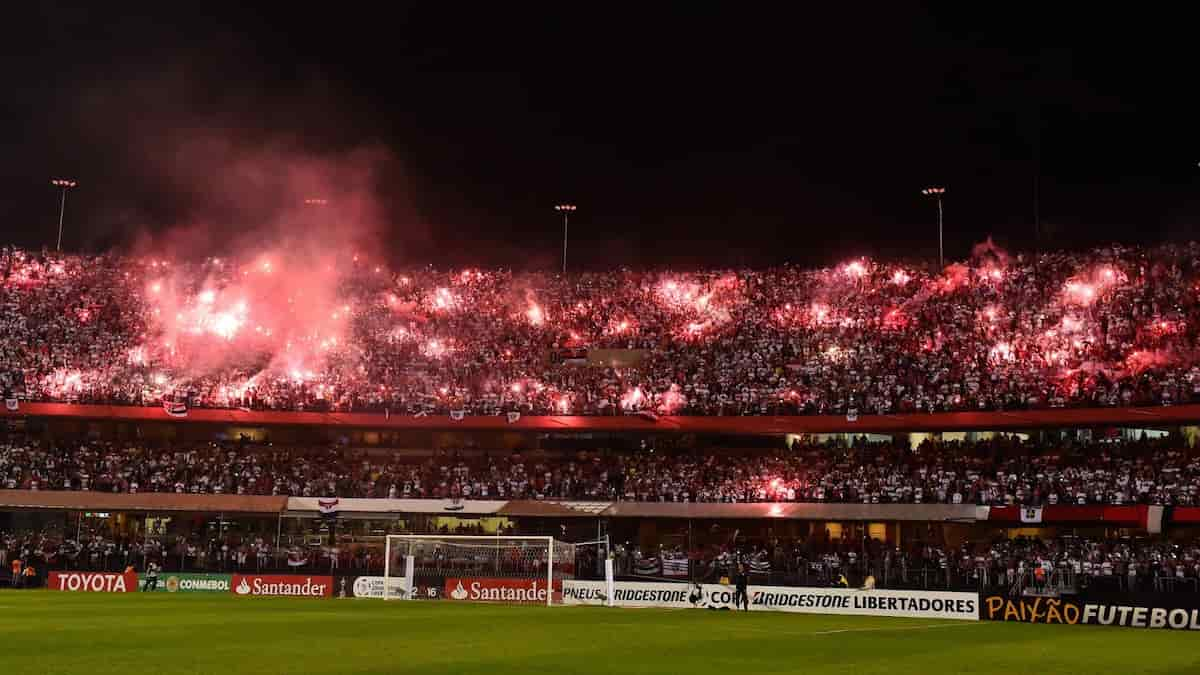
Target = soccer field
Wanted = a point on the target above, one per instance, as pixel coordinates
(47, 632)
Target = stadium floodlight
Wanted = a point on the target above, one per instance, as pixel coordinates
(566, 210)
(65, 184)
(936, 192)
(489, 568)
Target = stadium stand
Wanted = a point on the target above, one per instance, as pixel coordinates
(999, 471)
(1110, 327)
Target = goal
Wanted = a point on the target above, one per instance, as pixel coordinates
(489, 568)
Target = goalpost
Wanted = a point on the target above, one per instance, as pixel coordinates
(498, 568)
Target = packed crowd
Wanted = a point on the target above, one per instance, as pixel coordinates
(1112, 326)
(1000, 471)
(233, 552)
(1012, 565)
(1125, 563)
(1067, 563)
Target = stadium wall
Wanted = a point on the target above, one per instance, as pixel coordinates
(1167, 611)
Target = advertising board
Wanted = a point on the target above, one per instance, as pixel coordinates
(877, 602)
(1175, 611)
(92, 582)
(180, 582)
(282, 585)
(486, 589)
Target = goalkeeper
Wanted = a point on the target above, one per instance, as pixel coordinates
(740, 597)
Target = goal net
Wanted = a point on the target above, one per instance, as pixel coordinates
(489, 569)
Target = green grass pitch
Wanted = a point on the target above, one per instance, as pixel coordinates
(46, 633)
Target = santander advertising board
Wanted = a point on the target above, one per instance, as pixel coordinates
(282, 584)
(495, 590)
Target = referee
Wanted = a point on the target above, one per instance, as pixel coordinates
(740, 598)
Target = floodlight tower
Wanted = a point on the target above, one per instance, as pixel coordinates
(64, 184)
(566, 210)
(937, 192)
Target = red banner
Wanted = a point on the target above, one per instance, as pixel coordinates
(293, 585)
(498, 590)
(1134, 515)
(92, 582)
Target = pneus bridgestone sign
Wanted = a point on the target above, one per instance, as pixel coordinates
(911, 604)
(630, 594)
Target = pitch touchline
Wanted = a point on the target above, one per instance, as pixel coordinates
(877, 630)
(852, 630)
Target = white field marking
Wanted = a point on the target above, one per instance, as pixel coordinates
(880, 629)
(930, 626)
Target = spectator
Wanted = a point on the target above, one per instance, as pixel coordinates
(1110, 326)
(998, 471)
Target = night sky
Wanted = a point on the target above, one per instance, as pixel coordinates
(686, 136)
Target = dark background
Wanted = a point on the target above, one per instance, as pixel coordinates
(687, 135)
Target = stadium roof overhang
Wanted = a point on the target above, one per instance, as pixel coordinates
(966, 513)
(1156, 416)
(1141, 516)
(152, 502)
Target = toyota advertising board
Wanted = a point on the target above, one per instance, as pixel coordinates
(92, 582)
(286, 585)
